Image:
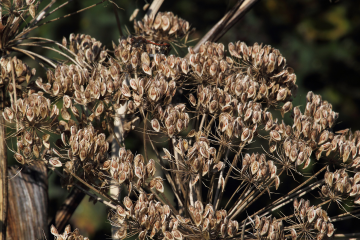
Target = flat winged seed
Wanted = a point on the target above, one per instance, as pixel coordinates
(159, 186)
(128, 203)
(275, 135)
(324, 136)
(293, 234)
(67, 101)
(146, 69)
(245, 134)
(55, 162)
(177, 234)
(18, 157)
(155, 125)
(54, 231)
(120, 211)
(277, 182)
(204, 152)
(99, 109)
(330, 229)
(307, 163)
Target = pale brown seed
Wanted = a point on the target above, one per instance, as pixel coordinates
(155, 125)
(55, 162)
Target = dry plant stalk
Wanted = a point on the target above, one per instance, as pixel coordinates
(232, 93)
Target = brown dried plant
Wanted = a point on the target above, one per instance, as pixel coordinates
(232, 91)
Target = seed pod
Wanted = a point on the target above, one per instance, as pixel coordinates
(330, 229)
(286, 108)
(198, 70)
(248, 114)
(223, 125)
(177, 234)
(55, 162)
(184, 66)
(275, 136)
(213, 106)
(159, 185)
(245, 134)
(254, 167)
(213, 69)
(155, 125)
(146, 69)
(30, 114)
(307, 163)
(99, 109)
(324, 136)
(282, 94)
(18, 157)
(293, 234)
(192, 99)
(128, 203)
(277, 182)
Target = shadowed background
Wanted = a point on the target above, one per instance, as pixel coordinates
(319, 39)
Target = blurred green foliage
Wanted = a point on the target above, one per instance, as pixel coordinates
(319, 39)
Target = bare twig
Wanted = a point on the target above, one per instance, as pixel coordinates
(230, 18)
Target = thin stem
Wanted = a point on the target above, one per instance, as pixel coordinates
(221, 178)
(167, 175)
(30, 54)
(107, 203)
(293, 192)
(117, 20)
(65, 16)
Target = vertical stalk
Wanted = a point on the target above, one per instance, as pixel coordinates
(115, 147)
(154, 7)
(3, 169)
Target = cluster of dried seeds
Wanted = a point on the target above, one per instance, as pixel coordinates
(256, 169)
(22, 72)
(311, 218)
(67, 234)
(147, 217)
(87, 49)
(174, 119)
(33, 115)
(339, 185)
(163, 28)
(216, 224)
(126, 168)
(86, 145)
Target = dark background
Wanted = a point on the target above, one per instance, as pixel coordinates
(319, 39)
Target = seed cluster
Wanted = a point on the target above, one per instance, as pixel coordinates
(32, 115)
(22, 72)
(147, 217)
(256, 169)
(214, 223)
(165, 27)
(231, 98)
(174, 119)
(67, 234)
(126, 168)
(339, 185)
(311, 217)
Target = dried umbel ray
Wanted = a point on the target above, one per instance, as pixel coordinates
(232, 92)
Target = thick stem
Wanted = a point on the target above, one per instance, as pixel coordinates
(3, 169)
(67, 209)
(118, 133)
(154, 7)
